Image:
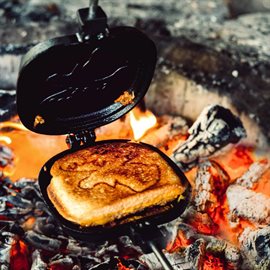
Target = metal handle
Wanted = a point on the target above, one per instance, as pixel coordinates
(160, 255)
(147, 235)
(93, 5)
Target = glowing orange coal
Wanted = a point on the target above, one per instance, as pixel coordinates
(19, 255)
(120, 266)
(212, 263)
(141, 122)
(179, 242)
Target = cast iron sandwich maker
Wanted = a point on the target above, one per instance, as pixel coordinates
(74, 84)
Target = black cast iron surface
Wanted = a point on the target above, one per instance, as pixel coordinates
(73, 86)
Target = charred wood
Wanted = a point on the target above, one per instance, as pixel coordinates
(37, 262)
(61, 261)
(6, 240)
(253, 174)
(248, 205)
(215, 128)
(191, 258)
(256, 247)
(199, 221)
(42, 242)
(210, 185)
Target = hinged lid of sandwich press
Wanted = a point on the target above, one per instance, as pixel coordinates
(85, 80)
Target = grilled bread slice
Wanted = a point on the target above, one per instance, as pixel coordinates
(106, 182)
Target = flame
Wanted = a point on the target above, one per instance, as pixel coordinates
(181, 241)
(5, 139)
(31, 150)
(10, 124)
(141, 122)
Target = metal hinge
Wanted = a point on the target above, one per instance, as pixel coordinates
(85, 137)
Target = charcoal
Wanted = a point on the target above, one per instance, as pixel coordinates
(79, 249)
(2, 205)
(151, 261)
(41, 208)
(14, 213)
(46, 226)
(37, 262)
(11, 226)
(191, 258)
(212, 244)
(6, 240)
(215, 128)
(248, 205)
(233, 257)
(253, 174)
(19, 201)
(42, 242)
(7, 104)
(210, 184)
(255, 244)
(201, 222)
(59, 260)
(24, 183)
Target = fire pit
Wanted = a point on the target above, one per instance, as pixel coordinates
(225, 226)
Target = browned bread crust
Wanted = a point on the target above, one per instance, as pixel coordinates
(102, 183)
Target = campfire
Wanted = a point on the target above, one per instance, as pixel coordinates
(225, 226)
(98, 74)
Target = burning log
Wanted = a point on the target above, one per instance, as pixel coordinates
(255, 244)
(218, 248)
(254, 173)
(215, 128)
(224, 249)
(210, 185)
(201, 222)
(248, 205)
(192, 258)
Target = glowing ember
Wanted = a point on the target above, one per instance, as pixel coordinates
(19, 256)
(179, 242)
(120, 266)
(141, 122)
(212, 263)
